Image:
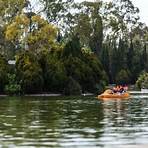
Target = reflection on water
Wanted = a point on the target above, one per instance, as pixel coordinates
(72, 122)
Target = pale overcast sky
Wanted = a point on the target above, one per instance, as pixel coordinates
(141, 4)
(143, 7)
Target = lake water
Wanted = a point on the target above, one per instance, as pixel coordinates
(73, 122)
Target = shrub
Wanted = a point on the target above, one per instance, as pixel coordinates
(97, 77)
(142, 81)
(72, 87)
(123, 77)
(87, 71)
(13, 87)
(29, 72)
(3, 73)
(54, 73)
(84, 67)
(73, 47)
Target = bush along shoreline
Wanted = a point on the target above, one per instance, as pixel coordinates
(59, 71)
(62, 70)
(71, 52)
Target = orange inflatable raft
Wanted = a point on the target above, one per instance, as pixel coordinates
(108, 94)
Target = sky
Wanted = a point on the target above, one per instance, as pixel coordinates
(143, 7)
(141, 4)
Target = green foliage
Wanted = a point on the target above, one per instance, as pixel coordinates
(21, 32)
(105, 59)
(99, 78)
(99, 88)
(29, 72)
(118, 58)
(121, 14)
(78, 70)
(13, 87)
(84, 28)
(87, 71)
(56, 9)
(136, 65)
(83, 67)
(130, 54)
(89, 25)
(6, 48)
(48, 64)
(9, 8)
(3, 72)
(73, 47)
(142, 81)
(54, 73)
(97, 37)
(123, 77)
(113, 61)
(144, 59)
(122, 54)
(125, 54)
(72, 87)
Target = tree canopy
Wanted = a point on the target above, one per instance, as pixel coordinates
(87, 44)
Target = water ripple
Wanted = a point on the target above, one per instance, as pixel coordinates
(73, 123)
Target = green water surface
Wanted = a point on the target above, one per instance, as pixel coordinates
(73, 122)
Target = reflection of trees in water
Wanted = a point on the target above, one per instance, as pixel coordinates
(57, 119)
(32, 117)
(138, 111)
(113, 109)
(125, 113)
(37, 117)
(83, 113)
(80, 116)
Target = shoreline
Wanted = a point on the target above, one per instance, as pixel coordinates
(44, 95)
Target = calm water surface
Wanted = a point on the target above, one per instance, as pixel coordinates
(73, 122)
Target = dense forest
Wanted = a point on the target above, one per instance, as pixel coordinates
(70, 47)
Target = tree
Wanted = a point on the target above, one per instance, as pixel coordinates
(123, 77)
(58, 12)
(29, 72)
(113, 62)
(122, 54)
(12, 87)
(84, 28)
(136, 58)
(97, 36)
(97, 76)
(73, 47)
(130, 54)
(144, 58)
(54, 73)
(89, 25)
(8, 11)
(10, 8)
(3, 73)
(142, 81)
(7, 49)
(120, 16)
(72, 87)
(42, 34)
(105, 59)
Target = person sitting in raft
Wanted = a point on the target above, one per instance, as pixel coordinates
(119, 89)
(125, 88)
(115, 89)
